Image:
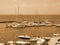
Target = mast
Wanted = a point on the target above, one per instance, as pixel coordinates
(16, 10)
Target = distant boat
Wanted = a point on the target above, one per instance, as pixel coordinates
(15, 25)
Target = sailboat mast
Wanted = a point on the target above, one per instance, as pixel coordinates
(18, 10)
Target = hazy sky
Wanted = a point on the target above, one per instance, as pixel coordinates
(30, 6)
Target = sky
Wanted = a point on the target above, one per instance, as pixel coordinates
(29, 6)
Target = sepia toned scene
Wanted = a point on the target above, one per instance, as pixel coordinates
(29, 22)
